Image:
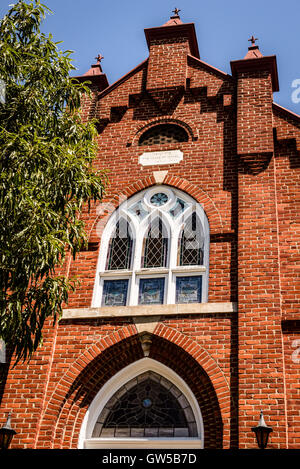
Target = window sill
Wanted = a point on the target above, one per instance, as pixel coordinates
(116, 273)
(150, 310)
(154, 271)
(188, 269)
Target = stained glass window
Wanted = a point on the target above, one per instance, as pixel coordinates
(188, 289)
(114, 292)
(159, 199)
(191, 242)
(147, 406)
(151, 291)
(155, 233)
(178, 208)
(120, 247)
(156, 246)
(139, 210)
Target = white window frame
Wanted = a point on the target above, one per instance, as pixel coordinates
(139, 230)
(113, 385)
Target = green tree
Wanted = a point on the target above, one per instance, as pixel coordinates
(46, 156)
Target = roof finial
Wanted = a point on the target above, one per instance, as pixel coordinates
(176, 11)
(253, 40)
(99, 58)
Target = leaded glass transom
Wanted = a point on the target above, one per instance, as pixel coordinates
(120, 248)
(149, 405)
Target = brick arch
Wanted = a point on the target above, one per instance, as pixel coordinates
(79, 385)
(157, 121)
(113, 202)
(68, 399)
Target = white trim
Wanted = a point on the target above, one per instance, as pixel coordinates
(116, 273)
(151, 272)
(189, 269)
(139, 229)
(135, 443)
(115, 383)
(169, 193)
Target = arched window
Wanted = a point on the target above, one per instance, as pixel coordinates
(120, 247)
(155, 246)
(144, 405)
(191, 242)
(154, 250)
(163, 133)
(148, 405)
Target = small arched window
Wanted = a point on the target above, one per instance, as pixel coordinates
(163, 133)
(120, 247)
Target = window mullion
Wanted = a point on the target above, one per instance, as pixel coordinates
(136, 265)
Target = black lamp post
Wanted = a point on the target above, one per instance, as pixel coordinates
(262, 432)
(6, 433)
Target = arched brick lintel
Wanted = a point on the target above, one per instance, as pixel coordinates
(110, 204)
(77, 388)
(190, 129)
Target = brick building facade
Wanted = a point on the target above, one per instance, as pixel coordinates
(205, 312)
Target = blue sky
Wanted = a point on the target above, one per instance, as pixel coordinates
(115, 29)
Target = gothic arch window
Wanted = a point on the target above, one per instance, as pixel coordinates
(154, 250)
(191, 242)
(144, 405)
(120, 247)
(163, 133)
(148, 405)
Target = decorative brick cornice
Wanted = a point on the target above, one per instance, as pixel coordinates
(253, 65)
(178, 30)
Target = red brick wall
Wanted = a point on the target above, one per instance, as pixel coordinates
(254, 113)
(236, 364)
(261, 379)
(167, 54)
(291, 337)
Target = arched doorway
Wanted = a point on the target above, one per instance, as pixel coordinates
(145, 405)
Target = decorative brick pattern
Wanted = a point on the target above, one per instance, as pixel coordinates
(241, 163)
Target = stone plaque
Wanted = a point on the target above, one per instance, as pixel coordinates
(160, 157)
